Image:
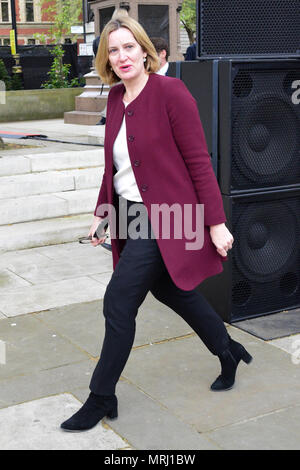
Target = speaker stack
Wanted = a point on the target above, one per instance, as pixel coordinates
(246, 82)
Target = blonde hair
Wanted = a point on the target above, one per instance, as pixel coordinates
(120, 19)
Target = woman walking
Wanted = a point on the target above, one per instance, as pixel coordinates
(155, 153)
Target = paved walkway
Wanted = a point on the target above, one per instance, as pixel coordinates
(51, 331)
(56, 129)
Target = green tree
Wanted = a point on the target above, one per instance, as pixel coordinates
(63, 14)
(4, 76)
(16, 82)
(13, 82)
(59, 72)
(188, 18)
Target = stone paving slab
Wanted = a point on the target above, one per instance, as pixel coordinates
(94, 259)
(34, 426)
(66, 249)
(50, 295)
(290, 344)
(279, 430)
(32, 346)
(10, 281)
(54, 271)
(51, 127)
(148, 425)
(40, 255)
(20, 258)
(104, 278)
(84, 325)
(39, 146)
(179, 373)
(42, 383)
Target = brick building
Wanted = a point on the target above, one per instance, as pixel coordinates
(30, 20)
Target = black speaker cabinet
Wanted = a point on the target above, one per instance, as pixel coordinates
(262, 274)
(259, 125)
(250, 112)
(243, 28)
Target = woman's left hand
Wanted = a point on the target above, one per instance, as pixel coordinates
(221, 238)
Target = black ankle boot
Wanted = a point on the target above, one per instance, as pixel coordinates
(93, 410)
(239, 352)
(230, 359)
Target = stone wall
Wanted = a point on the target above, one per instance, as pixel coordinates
(26, 105)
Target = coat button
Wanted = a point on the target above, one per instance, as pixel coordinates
(130, 113)
(136, 162)
(131, 138)
(144, 188)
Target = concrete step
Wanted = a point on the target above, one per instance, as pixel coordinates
(49, 182)
(90, 102)
(96, 135)
(14, 166)
(45, 206)
(86, 118)
(51, 161)
(97, 89)
(44, 232)
(93, 80)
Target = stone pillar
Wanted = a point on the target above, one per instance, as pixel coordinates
(103, 9)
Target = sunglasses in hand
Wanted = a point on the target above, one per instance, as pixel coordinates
(102, 227)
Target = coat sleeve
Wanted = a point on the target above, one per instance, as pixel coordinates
(190, 139)
(102, 197)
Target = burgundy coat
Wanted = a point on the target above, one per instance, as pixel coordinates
(171, 164)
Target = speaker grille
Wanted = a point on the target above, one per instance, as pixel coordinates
(265, 129)
(243, 27)
(265, 254)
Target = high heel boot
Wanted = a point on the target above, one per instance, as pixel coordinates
(230, 359)
(93, 410)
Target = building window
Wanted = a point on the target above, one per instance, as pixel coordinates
(105, 15)
(31, 41)
(4, 42)
(4, 11)
(155, 20)
(29, 10)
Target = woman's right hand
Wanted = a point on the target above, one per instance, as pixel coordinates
(93, 228)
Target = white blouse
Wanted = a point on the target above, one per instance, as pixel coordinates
(124, 180)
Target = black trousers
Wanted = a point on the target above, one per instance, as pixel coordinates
(141, 269)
